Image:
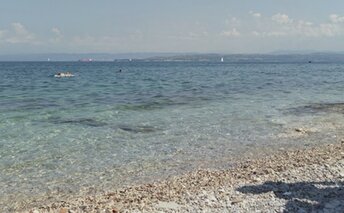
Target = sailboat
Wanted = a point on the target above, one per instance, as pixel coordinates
(222, 59)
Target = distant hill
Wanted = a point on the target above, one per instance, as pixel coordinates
(302, 52)
(235, 58)
(213, 57)
(79, 56)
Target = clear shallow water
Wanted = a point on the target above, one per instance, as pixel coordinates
(103, 128)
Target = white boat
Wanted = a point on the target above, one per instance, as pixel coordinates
(63, 75)
(222, 59)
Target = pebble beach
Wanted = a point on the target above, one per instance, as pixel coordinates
(306, 180)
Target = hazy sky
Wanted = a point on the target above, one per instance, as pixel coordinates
(223, 26)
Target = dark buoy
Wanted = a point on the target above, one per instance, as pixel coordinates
(120, 70)
(309, 62)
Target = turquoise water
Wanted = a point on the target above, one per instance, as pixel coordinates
(103, 128)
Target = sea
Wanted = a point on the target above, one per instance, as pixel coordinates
(129, 122)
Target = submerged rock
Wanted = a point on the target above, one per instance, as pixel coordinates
(318, 108)
(138, 129)
(79, 121)
(302, 130)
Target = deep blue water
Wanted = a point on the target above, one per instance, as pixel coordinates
(103, 127)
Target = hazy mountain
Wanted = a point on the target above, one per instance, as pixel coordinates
(314, 57)
(303, 52)
(234, 58)
(78, 56)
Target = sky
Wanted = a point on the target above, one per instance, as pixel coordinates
(200, 26)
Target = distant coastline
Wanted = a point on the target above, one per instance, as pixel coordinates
(281, 56)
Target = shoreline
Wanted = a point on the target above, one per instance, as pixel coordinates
(310, 179)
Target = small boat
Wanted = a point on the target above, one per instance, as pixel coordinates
(222, 59)
(62, 75)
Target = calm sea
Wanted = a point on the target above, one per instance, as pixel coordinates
(103, 128)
